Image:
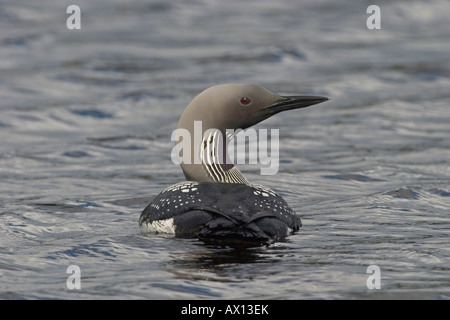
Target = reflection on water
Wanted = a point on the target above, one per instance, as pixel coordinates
(213, 263)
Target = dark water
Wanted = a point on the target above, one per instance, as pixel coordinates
(86, 119)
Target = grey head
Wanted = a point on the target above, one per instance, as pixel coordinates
(222, 107)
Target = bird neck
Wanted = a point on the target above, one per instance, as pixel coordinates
(211, 160)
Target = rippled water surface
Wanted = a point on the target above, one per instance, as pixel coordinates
(86, 119)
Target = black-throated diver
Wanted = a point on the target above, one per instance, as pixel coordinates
(217, 204)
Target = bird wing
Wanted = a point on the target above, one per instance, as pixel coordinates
(239, 203)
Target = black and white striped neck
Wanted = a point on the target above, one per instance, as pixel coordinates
(215, 163)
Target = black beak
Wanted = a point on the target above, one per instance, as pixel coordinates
(294, 102)
(285, 103)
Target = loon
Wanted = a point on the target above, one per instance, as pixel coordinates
(217, 204)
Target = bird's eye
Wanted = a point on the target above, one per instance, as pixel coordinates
(245, 101)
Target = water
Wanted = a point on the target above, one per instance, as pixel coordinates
(86, 118)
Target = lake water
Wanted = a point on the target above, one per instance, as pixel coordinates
(85, 125)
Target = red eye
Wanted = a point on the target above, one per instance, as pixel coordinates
(245, 101)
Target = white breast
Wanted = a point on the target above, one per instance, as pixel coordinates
(158, 226)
